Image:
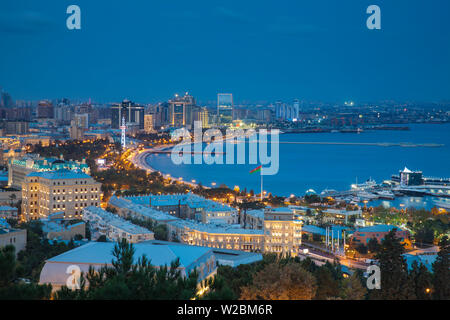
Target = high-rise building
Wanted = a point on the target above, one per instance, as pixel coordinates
(133, 113)
(296, 115)
(5, 100)
(44, 193)
(82, 120)
(224, 108)
(180, 111)
(45, 110)
(201, 114)
(148, 123)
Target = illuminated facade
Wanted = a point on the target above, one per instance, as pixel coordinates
(224, 108)
(44, 193)
(282, 231)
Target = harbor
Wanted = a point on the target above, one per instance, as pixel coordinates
(412, 186)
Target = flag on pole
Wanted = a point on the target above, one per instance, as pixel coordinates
(256, 169)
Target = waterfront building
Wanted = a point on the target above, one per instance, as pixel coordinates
(47, 192)
(410, 178)
(340, 216)
(19, 168)
(99, 254)
(11, 236)
(114, 227)
(282, 231)
(133, 114)
(224, 108)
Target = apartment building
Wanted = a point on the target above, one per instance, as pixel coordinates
(189, 206)
(44, 193)
(114, 227)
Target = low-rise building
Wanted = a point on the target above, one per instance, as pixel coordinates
(11, 236)
(7, 212)
(340, 216)
(189, 206)
(252, 219)
(56, 227)
(57, 270)
(114, 227)
(378, 232)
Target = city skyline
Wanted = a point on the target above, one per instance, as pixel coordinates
(321, 51)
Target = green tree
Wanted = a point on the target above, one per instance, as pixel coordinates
(133, 279)
(10, 289)
(352, 288)
(278, 282)
(395, 283)
(328, 285)
(373, 245)
(423, 281)
(441, 270)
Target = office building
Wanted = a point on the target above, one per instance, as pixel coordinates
(47, 192)
(180, 111)
(148, 123)
(224, 108)
(133, 114)
(45, 110)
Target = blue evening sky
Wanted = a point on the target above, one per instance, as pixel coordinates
(258, 50)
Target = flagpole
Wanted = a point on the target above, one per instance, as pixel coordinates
(261, 184)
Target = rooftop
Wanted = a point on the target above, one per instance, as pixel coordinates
(379, 228)
(189, 199)
(60, 174)
(159, 254)
(116, 221)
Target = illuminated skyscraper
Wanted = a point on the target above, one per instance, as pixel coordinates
(224, 108)
(133, 113)
(180, 111)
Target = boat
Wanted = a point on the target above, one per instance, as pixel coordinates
(364, 195)
(385, 194)
(364, 186)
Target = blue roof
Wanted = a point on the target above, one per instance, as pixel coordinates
(7, 208)
(189, 199)
(379, 228)
(4, 224)
(159, 254)
(60, 174)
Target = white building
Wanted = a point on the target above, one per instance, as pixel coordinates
(114, 227)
